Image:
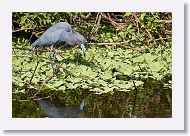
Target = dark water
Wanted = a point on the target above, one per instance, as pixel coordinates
(119, 105)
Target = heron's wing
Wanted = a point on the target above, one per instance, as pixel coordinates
(68, 37)
(55, 36)
(49, 38)
(72, 38)
(63, 25)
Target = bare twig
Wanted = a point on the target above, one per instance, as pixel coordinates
(34, 71)
(19, 48)
(138, 20)
(134, 103)
(85, 17)
(13, 31)
(22, 56)
(35, 94)
(119, 43)
(31, 37)
(165, 21)
(137, 24)
(48, 79)
(97, 24)
(67, 71)
(36, 99)
(111, 21)
(159, 39)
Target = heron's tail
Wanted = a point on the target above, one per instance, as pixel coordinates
(33, 45)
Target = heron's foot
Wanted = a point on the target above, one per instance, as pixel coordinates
(55, 71)
(50, 59)
(55, 59)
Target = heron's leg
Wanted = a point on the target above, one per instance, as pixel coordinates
(50, 58)
(55, 59)
(54, 70)
(54, 55)
(51, 48)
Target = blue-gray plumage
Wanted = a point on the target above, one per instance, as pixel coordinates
(59, 34)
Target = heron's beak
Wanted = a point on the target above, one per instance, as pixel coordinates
(83, 49)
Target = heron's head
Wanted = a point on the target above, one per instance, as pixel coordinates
(83, 42)
(79, 40)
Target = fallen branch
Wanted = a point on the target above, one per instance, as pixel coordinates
(138, 20)
(22, 56)
(159, 39)
(96, 25)
(48, 79)
(109, 18)
(19, 48)
(34, 71)
(35, 99)
(165, 21)
(13, 31)
(119, 43)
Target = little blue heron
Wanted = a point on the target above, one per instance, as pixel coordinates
(60, 34)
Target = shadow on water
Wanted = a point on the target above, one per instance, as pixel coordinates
(44, 108)
(118, 105)
(52, 111)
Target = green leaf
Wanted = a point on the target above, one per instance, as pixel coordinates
(128, 14)
(138, 83)
(97, 90)
(138, 59)
(129, 27)
(149, 57)
(49, 73)
(58, 83)
(127, 70)
(20, 91)
(103, 83)
(105, 76)
(62, 88)
(85, 86)
(35, 79)
(122, 34)
(21, 84)
(142, 16)
(107, 89)
(158, 66)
